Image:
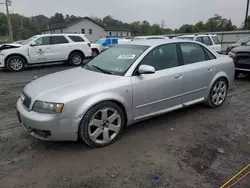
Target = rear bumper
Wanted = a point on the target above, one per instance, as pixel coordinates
(45, 126)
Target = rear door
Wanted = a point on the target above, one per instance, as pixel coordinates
(198, 70)
(60, 48)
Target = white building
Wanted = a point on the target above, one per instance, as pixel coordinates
(92, 30)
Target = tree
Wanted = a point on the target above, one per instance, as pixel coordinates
(199, 27)
(186, 28)
(57, 18)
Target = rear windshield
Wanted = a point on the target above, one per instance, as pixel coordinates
(116, 60)
(216, 40)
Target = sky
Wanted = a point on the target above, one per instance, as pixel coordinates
(174, 12)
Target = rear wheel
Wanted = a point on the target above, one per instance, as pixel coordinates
(76, 58)
(218, 93)
(15, 63)
(102, 124)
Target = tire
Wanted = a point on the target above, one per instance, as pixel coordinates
(75, 58)
(95, 123)
(218, 91)
(236, 75)
(15, 63)
(95, 52)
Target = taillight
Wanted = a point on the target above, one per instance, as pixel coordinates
(89, 45)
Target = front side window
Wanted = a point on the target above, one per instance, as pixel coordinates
(76, 38)
(192, 53)
(117, 59)
(42, 41)
(58, 40)
(162, 57)
(207, 41)
(216, 40)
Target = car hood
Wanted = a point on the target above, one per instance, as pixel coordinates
(67, 85)
(9, 46)
(241, 49)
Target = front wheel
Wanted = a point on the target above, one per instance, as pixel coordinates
(218, 93)
(15, 63)
(102, 124)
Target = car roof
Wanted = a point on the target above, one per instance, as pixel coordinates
(59, 34)
(199, 35)
(150, 36)
(157, 42)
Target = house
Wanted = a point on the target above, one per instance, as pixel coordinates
(92, 29)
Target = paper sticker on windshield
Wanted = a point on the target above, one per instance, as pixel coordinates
(128, 56)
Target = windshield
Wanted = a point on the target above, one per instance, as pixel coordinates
(117, 59)
(28, 40)
(244, 39)
(185, 38)
(100, 41)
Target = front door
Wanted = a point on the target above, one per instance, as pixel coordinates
(198, 69)
(162, 91)
(42, 51)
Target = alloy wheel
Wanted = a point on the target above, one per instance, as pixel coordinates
(104, 125)
(219, 93)
(76, 60)
(16, 64)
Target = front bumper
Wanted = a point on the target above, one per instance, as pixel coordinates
(2, 64)
(45, 126)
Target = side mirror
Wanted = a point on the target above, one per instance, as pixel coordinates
(33, 44)
(146, 69)
(243, 44)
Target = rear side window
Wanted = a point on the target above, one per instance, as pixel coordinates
(58, 40)
(114, 41)
(198, 39)
(192, 53)
(207, 40)
(216, 40)
(210, 56)
(76, 38)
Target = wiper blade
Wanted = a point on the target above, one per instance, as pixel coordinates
(100, 69)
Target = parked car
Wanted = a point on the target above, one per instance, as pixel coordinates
(150, 37)
(107, 42)
(123, 85)
(241, 57)
(241, 42)
(211, 40)
(96, 49)
(48, 48)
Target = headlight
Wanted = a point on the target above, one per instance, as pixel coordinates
(47, 107)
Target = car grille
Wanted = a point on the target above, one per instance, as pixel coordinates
(26, 101)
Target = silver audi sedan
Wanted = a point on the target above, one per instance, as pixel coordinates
(125, 84)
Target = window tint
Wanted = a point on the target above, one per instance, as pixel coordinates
(108, 41)
(90, 31)
(207, 41)
(198, 39)
(58, 40)
(42, 41)
(76, 38)
(192, 53)
(114, 41)
(209, 54)
(216, 40)
(162, 57)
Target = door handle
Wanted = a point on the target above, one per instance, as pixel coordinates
(210, 69)
(177, 76)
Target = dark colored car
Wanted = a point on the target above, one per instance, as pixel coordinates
(241, 42)
(241, 57)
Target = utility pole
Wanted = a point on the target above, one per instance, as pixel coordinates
(7, 4)
(245, 26)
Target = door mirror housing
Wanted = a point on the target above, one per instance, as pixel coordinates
(146, 69)
(33, 44)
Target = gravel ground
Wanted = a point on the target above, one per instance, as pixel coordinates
(192, 148)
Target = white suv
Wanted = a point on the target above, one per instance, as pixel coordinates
(210, 40)
(47, 48)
